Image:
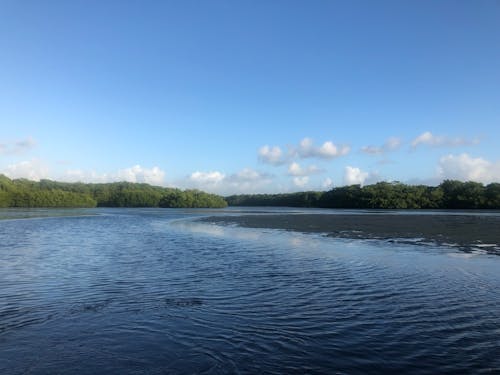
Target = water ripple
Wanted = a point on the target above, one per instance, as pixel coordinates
(127, 293)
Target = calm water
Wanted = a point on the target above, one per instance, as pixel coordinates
(149, 291)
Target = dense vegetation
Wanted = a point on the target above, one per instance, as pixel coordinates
(450, 194)
(47, 193)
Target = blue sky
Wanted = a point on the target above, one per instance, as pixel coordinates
(250, 96)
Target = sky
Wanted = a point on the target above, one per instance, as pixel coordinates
(250, 96)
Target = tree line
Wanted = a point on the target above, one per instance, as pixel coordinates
(450, 194)
(48, 193)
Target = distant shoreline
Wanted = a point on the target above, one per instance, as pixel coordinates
(459, 230)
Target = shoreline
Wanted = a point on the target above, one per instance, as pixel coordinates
(464, 231)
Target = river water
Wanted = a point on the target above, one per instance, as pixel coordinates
(120, 291)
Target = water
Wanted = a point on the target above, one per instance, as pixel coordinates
(150, 291)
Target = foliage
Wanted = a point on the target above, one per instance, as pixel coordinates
(449, 194)
(47, 193)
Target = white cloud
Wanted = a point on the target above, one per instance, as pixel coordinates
(153, 176)
(294, 169)
(77, 175)
(247, 181)
(210, 178)
(247, 175)
(17, 147)
(426, 138)
(327, 183)
(305, 149)
(372, 150)
(32, 170)
(429, 139)
(271, 155)
(327, 150)
(391, 144)
(466, 168)
(354, 176)
(301, 181)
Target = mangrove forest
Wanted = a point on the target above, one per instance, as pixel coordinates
(450, 194)
(48, 193)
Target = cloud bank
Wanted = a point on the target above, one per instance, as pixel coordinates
(31, 169)
(246, 180)
(153, 176)
(464, 167)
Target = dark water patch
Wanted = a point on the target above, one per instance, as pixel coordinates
(472, 233)
(183, 302)
(90, 307)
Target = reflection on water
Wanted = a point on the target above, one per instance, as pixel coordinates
(215, 230)
(151, 291)
(31, 213)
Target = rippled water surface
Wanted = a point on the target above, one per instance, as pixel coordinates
(150, 291)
